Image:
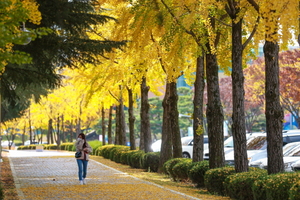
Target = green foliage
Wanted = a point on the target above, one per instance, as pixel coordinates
(105, 151)
(118, 153)
(259, 188)
(239, 185)
(67, 146)
(50, 146)
(168, 166)
(180, 170)
(294, 193)
(197, 172)
(152, 161)
(95, 144)
(278, 185)
(136, 159)
(124, 157)
(214, 179)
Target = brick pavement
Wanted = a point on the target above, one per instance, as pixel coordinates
(53, 175)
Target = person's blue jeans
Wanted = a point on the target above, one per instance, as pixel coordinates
(82, 168)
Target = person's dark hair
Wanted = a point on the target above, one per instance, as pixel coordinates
(82, 135)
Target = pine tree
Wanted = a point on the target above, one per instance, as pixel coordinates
(67, 44)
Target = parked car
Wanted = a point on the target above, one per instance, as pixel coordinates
(228, 144)
(296, 166)
(289, 158)
(156, 146)
(187, 145)
(288, 136)
(259, 158)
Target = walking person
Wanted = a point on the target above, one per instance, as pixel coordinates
(82, 161)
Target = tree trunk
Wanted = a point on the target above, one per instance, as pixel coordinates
(174, 115)
(109, 135)
(58, 131)
(238, 111)
(103, 125)
(122, 124)
(274, 112)
(117, 129)
(166, 152)
(145, 118)
(50, 131)
(198, 111)
(71, 131)
(63, 134)
(214, 113)
(131, 120)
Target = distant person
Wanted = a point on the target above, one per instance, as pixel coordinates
(83, 147)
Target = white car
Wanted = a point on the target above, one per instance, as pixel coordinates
(290, 157)
(187, 145)
(290, 136)
(296, 166)
(256, 143)
(156, 146)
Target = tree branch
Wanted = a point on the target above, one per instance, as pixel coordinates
(254, 4)
(252, 33)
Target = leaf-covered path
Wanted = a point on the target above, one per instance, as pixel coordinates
(53, 175)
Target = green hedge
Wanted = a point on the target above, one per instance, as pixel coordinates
(136, 159)
(152, 161)
(197, 171)
(294, 193)
(214, 179)
(168, 166)
(239, 185)
(181, 169)
(279, 185)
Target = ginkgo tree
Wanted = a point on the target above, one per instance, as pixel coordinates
(279, 21)
(13, 14)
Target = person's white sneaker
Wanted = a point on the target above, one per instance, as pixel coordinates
(81, 182)
(84, 181)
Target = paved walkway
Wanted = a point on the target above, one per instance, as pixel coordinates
(53, 175)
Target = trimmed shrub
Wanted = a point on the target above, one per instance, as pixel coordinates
(180, 170)
(239, 185)
(118, 152)
(95, 144)
(152, 161)
(66, 146)
(214, 179)
(294, 193)
(279, 185)
(197, 171)
(112, 151)
(136, 159)
(51, 146)
(98, 151)
(124, 157)
(168, 166)
(105, 150)
(259, 188)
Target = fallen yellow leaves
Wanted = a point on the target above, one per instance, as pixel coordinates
(100, 191)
